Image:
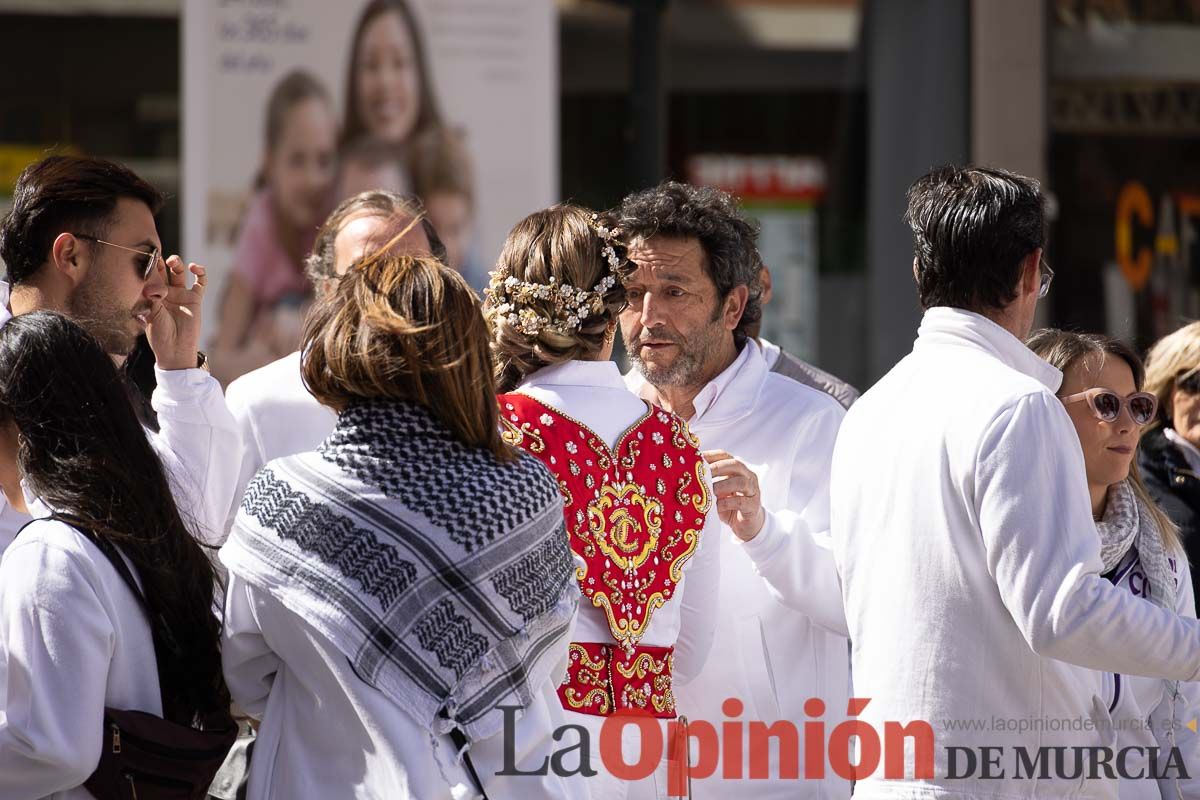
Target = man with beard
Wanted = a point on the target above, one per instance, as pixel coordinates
(81, 239)
(691, 299)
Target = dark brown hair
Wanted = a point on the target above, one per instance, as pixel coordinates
(972, 229)
(428, 116)
(728, 238)
(559, 243)
(65, 194)
(404, 327)
(291, 90)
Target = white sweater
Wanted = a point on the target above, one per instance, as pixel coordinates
(73, 639)
(770, 655)
(326, 733)
(276, 417)
(196, 441)
(970, 562)
(1140, 708)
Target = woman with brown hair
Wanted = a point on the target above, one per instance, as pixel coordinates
(637, 496)
(389, 87)
(390, 592)
(1102, 391)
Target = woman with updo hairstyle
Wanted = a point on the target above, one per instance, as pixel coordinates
(400, 599)
(636, 493)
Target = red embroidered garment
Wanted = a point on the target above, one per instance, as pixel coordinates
(603, 678)
(633, 514)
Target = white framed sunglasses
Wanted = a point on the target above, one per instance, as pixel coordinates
(152, 257)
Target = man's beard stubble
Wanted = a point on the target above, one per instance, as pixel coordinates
(693, 356)
(97, 313)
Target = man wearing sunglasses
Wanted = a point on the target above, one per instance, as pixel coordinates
(962, 521)
(81, 239)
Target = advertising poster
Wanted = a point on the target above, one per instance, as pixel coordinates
(292, 105)
(782, 193)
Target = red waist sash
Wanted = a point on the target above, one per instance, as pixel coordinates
(603, 678)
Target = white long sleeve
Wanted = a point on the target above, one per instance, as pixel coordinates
(1044, 556)
(72, 641)
(1187, 709)
(249, 663)
(199, 442)
(793, 553)
(701, 597)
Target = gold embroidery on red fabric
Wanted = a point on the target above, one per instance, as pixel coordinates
(589, 699)
(680, 433)
(568, 498)
(630, 461)
(644, 664)
(603, 459)
(516, 436)
(624, 522)
(682, 494)
(615, 539)
(702, 501)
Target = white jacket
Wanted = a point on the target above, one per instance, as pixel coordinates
(770, 656)
(1139, 706)
(326, 733)
(970, 564)
(73, 639)
(276, 417)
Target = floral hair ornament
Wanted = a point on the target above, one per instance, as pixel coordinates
(511, 298)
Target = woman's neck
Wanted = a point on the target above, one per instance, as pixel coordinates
(1099, 494)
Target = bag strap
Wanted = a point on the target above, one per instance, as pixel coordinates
(460, 742)
(157, 623)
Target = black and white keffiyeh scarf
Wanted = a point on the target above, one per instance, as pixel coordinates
(1127, 525)
(444, 577)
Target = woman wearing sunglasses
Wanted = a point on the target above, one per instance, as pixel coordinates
(1139, 545)
(1169, 456)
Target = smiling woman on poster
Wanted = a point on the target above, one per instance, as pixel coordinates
(390, 99)
(389, 91)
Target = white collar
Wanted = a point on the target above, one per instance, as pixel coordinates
(956, 326)
(596, 374)
(727, 397)
(771, 352)
(1191, 453)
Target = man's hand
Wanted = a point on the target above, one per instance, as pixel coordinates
(739, 503)
(174, 330)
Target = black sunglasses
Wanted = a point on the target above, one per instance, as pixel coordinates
(1189, 381)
